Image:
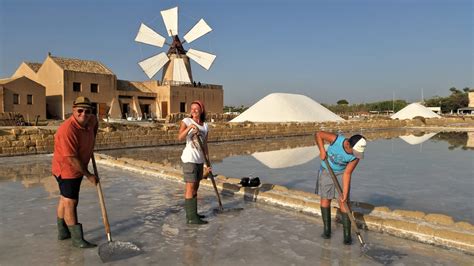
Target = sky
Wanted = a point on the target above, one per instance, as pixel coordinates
(361, 51)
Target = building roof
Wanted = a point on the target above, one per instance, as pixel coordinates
(7, 80)
(126, 85)
(80, 65)
(34, 66)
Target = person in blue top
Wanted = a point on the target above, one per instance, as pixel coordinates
(343, 156)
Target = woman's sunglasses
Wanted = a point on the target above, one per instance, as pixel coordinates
(87, 111)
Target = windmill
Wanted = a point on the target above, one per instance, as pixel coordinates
(175, 62)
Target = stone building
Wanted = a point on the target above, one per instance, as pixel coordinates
(24, 96)
(67, 78)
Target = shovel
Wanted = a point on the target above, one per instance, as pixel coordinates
(380, 255)
(112, 250)
(211, 176)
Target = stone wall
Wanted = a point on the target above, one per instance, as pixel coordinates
(35, 140)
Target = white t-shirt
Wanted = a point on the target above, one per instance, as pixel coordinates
(192, 153)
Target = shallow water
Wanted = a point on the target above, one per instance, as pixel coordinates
(149, 212)
(432, 172)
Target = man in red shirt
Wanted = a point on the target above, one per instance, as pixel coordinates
(73, 146)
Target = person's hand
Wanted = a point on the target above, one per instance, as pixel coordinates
(93, 179)
(193, 129)
(343, 198)
(322, 155)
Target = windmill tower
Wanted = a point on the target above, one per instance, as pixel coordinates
(175, 62)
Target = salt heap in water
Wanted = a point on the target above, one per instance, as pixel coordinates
(286, 107)
(412, 110)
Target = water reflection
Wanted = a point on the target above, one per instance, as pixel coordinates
(414, 140)
(287, 157)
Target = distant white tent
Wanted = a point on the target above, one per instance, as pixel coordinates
(414, 140)
(414, 109)
(287, 157)
(286, 107)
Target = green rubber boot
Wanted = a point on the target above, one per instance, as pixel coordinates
(190, 206)
(78, 237)
(346, 224)
(326, 214)
(63, 232)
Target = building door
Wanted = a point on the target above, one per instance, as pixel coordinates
(182, 107)
(145, 110)
(102, 110)
(164, 109)
(94, 108)
(125, 110)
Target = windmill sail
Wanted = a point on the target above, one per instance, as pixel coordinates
(153, 64)
(170, 18)
(202, 58)
(200, 29)
(179, 71)
(148, 36)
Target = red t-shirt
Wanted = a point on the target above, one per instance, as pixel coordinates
(72, 139)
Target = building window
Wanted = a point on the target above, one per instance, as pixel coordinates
(29, 99)
(94, 87)
(16, 98)
(76, 86)
(182, 107)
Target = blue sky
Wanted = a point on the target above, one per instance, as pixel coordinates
(361, 51)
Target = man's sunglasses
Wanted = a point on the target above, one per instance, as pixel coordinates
(87, 111)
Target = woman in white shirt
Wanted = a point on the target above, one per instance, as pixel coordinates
(193, 158)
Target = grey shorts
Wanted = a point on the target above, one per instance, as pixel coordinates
(192, 172)
(325, 187)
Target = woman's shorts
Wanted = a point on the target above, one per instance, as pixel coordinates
(192, 172)
(69, 188)
(325, 187)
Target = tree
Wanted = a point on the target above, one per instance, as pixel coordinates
(343, 101)
(467, 89)
(453, 90)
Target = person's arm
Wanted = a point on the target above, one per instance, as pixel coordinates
(184, 130)
(346, 179)
(320, 137)
(78, 166)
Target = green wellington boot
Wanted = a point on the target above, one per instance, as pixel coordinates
(78, 237)
(346, 224)
(190, 206)
(326, 214)
(63, 232)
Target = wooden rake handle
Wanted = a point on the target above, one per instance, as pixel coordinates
(211, 175)
(346, 206)
(105, 219)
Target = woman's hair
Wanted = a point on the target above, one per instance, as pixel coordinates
(203, 110)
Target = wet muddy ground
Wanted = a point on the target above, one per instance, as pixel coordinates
(149, 212)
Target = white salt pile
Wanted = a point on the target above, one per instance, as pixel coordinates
(414, 140)
(287, 157)
(412, 110)
(286, 107)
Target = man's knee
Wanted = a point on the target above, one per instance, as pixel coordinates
(69, 203)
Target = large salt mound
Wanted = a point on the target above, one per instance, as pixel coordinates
(412, 110)
(286, 107)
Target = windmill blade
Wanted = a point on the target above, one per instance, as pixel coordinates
(197, 31)
(179, 71)
(170, 18)
(148, 36)
(202, 58)
(152, 65)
